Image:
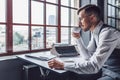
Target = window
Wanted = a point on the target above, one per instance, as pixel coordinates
(65, 34)
(113, 16)
(2, 10)
(51, 36)
(2, 38)
(20, 38)
(37, 37)
(34, 25)
(51, 14)
(3, 41)
(20, 11)
(68, 19)
(37, 12)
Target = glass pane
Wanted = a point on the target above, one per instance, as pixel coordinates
(94, 2)
(113, 2)
(75, 3)
(2, 38)
(20, 38)
(117, 3)
(118, 24)
(72, 38)
(111, 22)
(109, 1)
(65, 16)
(51, 13)
(2, 10)
(37, 37)
(37, 12)
(118, 13)
(74, 18)
(65, 2)
(52, 1)
(50, 36)
(65, 35)
(111, 11)
(20, 11)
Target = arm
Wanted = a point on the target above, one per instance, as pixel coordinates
(86, 52)
(107, 43)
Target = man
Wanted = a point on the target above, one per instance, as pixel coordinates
(103, 48)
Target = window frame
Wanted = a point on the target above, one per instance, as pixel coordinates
(9, 26)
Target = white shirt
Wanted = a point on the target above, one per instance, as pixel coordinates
(97, 52)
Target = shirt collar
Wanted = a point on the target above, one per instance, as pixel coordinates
(97, 28)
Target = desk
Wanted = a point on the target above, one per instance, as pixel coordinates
(45, 63)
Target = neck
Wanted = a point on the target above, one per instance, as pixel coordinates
(94, 25)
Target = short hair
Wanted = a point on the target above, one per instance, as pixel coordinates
(91, 9)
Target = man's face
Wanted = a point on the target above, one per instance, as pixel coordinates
(84, 21)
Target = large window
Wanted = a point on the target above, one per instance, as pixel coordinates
(3, 26)
(34, 25)
(113, 13)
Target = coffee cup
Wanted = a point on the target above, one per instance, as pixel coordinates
(76, 30)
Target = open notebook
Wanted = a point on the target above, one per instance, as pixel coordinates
(41, 57)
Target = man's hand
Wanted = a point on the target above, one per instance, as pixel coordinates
(76, 35)
(55, 64)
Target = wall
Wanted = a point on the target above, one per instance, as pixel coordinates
(11, 69)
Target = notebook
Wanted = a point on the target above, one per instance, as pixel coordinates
(40, 57)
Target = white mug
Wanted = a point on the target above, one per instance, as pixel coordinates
(76, 30)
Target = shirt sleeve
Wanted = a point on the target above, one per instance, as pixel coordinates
(86, 52)
(107, 43)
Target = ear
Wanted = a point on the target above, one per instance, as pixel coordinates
(93, 18)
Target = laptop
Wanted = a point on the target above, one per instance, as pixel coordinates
(66, 51)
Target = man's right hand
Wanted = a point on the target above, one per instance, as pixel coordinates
(76, 35)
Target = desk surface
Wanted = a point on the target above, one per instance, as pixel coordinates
(45, 63)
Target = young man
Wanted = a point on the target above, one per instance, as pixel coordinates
(103, 48)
